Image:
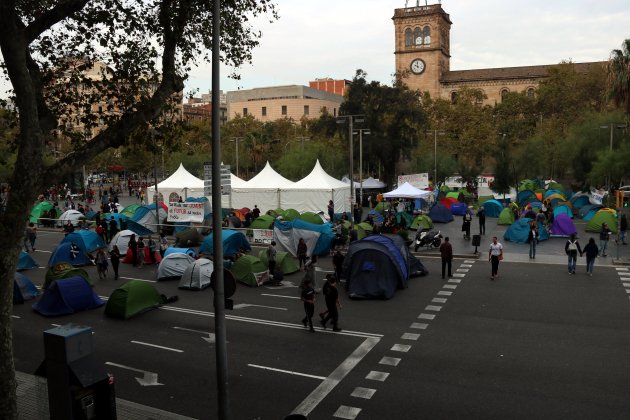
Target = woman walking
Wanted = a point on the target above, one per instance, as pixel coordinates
(590, 251)
(114, 256)
(495, 254)
(301, 253)
(101, 264)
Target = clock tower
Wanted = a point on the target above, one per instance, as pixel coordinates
(422, 48)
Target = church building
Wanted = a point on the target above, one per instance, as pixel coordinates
(422, 50)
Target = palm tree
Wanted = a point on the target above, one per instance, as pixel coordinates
(618, 72)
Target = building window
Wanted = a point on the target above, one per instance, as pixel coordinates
(454, 96)
(244, 112)
(284, 110)
(408, 37)
(426, 34)
(531, 92)
(417, 36)
(264, 111)
(504, 93)
(306, 110)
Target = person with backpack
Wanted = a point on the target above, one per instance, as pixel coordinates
(572, 247)
(590, 251)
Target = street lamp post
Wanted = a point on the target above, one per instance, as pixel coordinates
(236, 140)
(435, 134)
(359, 118)
(367, 132)
(154, 133)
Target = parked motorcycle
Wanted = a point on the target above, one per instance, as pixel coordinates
(428, 238)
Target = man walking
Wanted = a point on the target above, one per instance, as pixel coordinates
(271, 257)
(308, 297)
(481, 214)
(446, 252)
(604, 237)
(572, 247)
(495, 254)
(331, 295)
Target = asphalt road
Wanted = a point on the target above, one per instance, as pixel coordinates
(535, 343)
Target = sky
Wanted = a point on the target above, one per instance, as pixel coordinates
(333, 38)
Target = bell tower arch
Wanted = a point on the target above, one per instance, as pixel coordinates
(422, 46)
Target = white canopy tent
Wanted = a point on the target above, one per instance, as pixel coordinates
(368, 183)
(313, 192)
(262, 190)
(407, 190)
(181, 184)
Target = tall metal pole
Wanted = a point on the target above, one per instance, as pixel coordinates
(236, 140)
(361, 166)
(434, 159)
(351, 177)
(219, 289)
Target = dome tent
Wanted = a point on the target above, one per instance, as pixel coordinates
(173, 266)
(250, 270)
(506, 217)
(87, 240)
(284, 260)
(233, 242)
(562, 226)
(25, 262)
(67, 296)
(606, 215)
(492, 208)
(134, 298)
(440, 214)
(197, 275)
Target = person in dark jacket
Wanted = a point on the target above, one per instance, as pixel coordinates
(532, 238)
(572, 247)
(308, 297)
(481, 214)
(623, 226)
(590, 251)
(446, 252)
(114, 257)
(604, 237)
(332, 304)
(133, 246)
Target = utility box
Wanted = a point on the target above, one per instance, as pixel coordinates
(476, 240)
(78, 386)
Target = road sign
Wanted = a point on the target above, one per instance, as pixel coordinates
(226, 179)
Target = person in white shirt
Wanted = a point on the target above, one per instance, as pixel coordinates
(495, 254)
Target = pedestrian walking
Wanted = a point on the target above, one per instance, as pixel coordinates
(466, 219)
(113, 228)
(114, 257)
(271, 257)
(481, 214)
(302, 251)
(30, 235)
(133, 246)
(572, 247)
(604, 237)
(331, 297)
(101, 264)
(308, 298)
(337, 261)
(141, 252)
(532, 239)
(163, 244)
(590, 251)
(623, 226)
(495, 255)
(446, 252)
(153, 249)
(331, 211)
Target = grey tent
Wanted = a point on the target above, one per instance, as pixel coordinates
(197, 275)
(173, 266)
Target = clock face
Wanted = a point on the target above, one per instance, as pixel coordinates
(417, 66)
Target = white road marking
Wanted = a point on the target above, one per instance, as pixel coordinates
(348, 413)
(628, 291)
(246, 305)
(466, 265)
(377, 376)
(291, 372)
(443, 293)
(366, 393)
(621, 268)
(410, 336)
(450, 286)
(280, 296)
(389, 361)
(319, 393)
(626, 284)
(439, 300)
(469, 261)
(459, 275)
(15, 316)
(211, 337)
(284, 285)
(426, 316)
(157, 347)
(135, 278)
(419, 326)
(455, 281)
(462, 270)
(403, 348)
(45, 252)
(433, 308)
(148, 378)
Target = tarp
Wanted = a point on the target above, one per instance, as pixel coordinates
(26, 262)
(173, 266)
(88, 240)
(23, 288)
(262, 190)
(197, 275)
(603, 215)
(250, 270)
(64, 253)
(313, 192)
(563, 226)
(73, 216)
(492, 208)
(376, 266)
(440, 214)
(506, 217)
(133, 298)
(173, 250)
(67, 296)
(407, 190)
(284, 260)
(64, 270)
(318, 238)
(233, 242)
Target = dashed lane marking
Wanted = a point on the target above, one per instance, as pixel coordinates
(365, 393)
(345, 412)
(410, 336)
(439, 300)
(280, 296)
(443, 293)
(459, 275)
(402, 348)
(455, 281)
(449, 286)
(462, 270)
(377, 376)
(390, 361)
(466, 265)
(426, 316)
(157, 347)
(433, 308)
(419, 326)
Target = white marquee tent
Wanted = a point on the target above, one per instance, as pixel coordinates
(181, 184)
(407, 190)
(313, 192)
(262, 190)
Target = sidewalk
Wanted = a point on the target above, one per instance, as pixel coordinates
(32, 394)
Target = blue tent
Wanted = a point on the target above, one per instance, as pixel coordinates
(519, 231)
(88, 240)
(525, 196)
(138, 229)
(23, 288)
(562, 209)
(67, 296)
(493, 208)
(376, 217)
(173, 250)
(26, 262)
(318, 238)
(120, 219)
(233, 241)
(440, 214)
(63, 253)
(587, 212)
(459, 209)
(376, 266)
(579, 201)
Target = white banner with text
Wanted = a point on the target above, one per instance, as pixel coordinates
(185, 212)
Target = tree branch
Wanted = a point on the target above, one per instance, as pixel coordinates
(55, 15)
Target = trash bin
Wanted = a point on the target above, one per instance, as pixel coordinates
(476, 240)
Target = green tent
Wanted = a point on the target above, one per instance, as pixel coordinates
(526, 184)
(363, 229)
(64, 270)
(506, 217)
(310, 217)
(188, 238)
(422, 220)
(445, 189)
(130, 210)
(41, 209)
(275, 213)
(554, 186)
(603, 215)
(250, 270)
(403, 215)
(283, 259)
(382, 207)
(132, 298)
(457, 195)
(262, 222)
(290, 214)
(483, 198)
